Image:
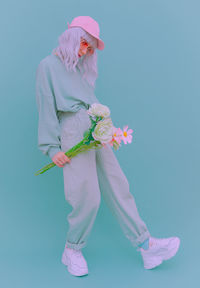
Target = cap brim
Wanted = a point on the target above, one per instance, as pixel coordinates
(100, 44)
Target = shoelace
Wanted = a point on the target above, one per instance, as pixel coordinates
(77, 252)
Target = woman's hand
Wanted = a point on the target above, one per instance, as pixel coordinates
(60, 159)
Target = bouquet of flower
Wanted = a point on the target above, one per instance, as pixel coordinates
(101, 133)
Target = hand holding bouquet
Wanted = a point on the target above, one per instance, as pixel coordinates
(101, 133)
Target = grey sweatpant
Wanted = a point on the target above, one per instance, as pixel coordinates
(90, 175)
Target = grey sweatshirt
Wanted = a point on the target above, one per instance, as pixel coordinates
(58, 90)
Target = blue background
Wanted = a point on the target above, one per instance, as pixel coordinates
(149, 78)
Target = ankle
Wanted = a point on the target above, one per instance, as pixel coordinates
(145, 244)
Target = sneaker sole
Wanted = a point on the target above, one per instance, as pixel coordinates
(157, 263)
(71, 271)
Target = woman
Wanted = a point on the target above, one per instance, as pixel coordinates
(65, 82)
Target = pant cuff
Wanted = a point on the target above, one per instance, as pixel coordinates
(76, 246)
(139, 240)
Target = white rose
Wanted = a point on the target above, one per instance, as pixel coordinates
(103, 131)
(97, 109)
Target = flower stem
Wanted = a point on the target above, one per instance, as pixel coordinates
(76, 149)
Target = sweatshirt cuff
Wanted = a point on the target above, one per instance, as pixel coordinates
(53, 151)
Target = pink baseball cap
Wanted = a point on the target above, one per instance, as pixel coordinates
(90, 26)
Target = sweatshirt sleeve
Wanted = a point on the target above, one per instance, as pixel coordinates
(48, 123)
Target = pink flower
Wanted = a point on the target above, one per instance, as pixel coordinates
(126, 135)
(117, 135)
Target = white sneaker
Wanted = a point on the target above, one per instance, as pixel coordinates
(159, 249)
(75, 262)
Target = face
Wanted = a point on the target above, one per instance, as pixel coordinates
(85, 47)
